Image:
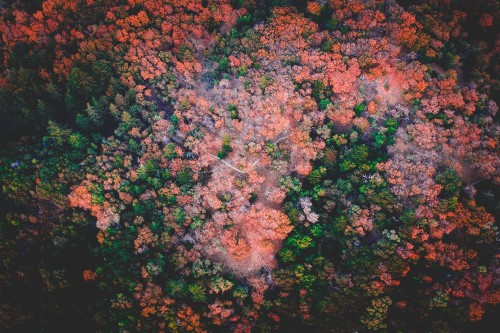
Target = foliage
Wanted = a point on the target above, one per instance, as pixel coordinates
(216, 166)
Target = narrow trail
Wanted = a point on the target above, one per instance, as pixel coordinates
(243, 194)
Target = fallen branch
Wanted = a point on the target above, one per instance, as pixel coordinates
(283, 138)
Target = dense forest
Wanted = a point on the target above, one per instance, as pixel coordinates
(249, 166)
